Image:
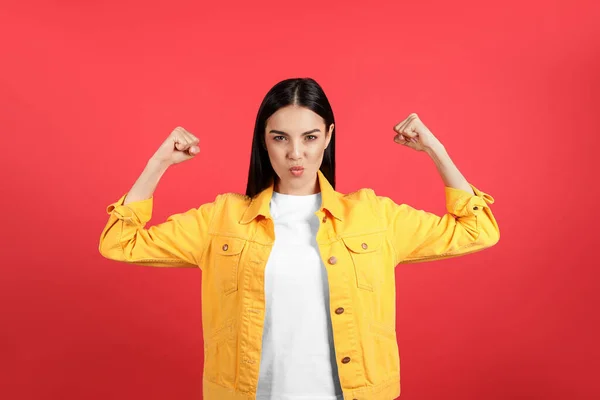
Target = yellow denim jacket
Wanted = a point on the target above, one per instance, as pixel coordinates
(361, 239)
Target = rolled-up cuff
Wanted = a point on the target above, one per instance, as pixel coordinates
(461, 203)
(136, 212)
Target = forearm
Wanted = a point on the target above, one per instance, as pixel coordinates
(450, 174)
(147, 182)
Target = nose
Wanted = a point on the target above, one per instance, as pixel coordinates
(296, 151)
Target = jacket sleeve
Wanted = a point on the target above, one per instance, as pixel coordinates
(418, 235)
(177, 242)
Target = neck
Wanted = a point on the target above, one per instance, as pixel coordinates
(299, 188)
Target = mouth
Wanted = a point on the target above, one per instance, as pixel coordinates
(297, 171)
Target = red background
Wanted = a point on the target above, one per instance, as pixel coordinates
(89, 90)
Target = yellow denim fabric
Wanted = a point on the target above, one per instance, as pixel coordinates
(361, 239)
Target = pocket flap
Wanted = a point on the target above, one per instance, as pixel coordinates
(364, 243)
(228, 246)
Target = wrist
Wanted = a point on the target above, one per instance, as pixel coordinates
(436, 150)
(158, 165)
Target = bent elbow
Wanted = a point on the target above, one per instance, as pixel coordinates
(114, 252)
(110, 248)
(490, 236)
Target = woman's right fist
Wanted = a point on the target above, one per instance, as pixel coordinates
(179, 146)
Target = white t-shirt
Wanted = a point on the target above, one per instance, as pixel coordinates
(298, 356)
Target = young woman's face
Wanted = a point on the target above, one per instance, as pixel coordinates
(296, 137)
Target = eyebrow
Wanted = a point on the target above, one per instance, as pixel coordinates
(283, 133)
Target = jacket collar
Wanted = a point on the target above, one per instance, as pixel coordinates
(260, 203)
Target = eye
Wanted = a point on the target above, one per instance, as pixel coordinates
(313, 137)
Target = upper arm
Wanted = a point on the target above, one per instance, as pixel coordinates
(418, 235)
(178, 241)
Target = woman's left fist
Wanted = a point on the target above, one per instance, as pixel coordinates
(414, 134)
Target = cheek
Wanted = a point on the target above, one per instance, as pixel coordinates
(317, 149)
(276, 153)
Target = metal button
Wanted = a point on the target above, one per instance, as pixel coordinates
(225, 247)
(339, 310)
(332, 260)
(364, 246)
(346, 360)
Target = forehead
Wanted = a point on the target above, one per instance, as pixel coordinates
(294, 118)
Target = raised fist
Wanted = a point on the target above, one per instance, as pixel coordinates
(180, 146)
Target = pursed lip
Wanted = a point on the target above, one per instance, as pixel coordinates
(296, 168)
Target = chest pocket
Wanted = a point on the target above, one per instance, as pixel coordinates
(366, 253)
(228, 253)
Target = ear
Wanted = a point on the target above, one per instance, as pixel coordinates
(329, 135)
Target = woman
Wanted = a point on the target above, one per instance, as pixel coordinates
(298, 291)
